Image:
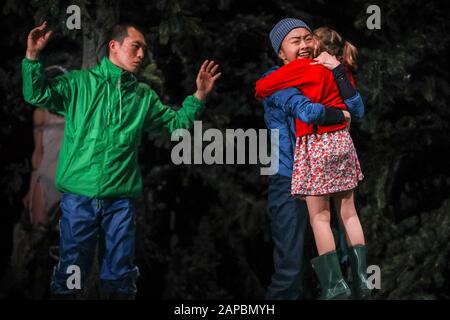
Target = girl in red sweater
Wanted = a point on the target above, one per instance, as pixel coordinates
(326, 165)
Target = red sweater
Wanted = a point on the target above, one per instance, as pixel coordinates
(315, 81)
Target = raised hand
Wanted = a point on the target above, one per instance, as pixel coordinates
(206, 78)
(37, 40)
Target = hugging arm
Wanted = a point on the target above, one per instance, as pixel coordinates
(295, 104)
(351, 97)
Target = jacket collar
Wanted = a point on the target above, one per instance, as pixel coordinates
(111, 73)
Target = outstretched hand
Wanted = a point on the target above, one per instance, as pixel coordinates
(37, 40)
(206, 78)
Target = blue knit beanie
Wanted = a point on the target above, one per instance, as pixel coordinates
(282, 28)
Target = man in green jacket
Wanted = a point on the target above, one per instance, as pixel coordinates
(106, 110)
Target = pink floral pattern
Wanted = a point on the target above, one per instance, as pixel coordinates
(324, 164)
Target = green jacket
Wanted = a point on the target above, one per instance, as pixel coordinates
(106, 110)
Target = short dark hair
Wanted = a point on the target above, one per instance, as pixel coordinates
(119, 32)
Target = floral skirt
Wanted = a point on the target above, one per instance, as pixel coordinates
(325, 164)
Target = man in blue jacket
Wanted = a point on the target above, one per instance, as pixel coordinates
(289, 215)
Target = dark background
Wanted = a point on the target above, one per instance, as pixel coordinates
(203, 231)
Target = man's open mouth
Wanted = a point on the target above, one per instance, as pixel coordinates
(304, 55)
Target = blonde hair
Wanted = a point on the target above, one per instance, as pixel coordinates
(330, 41)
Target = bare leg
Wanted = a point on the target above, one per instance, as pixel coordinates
(319, 217)
(345, 207)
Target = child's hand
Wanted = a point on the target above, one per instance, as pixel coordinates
(327, 60)
(348, 118)
(206, 78)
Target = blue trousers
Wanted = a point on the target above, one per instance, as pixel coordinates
(289, 222)
(86, 222)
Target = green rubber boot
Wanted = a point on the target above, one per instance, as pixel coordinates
(358, 265)
(330, 277)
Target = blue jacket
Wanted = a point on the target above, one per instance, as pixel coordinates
(280, 111)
